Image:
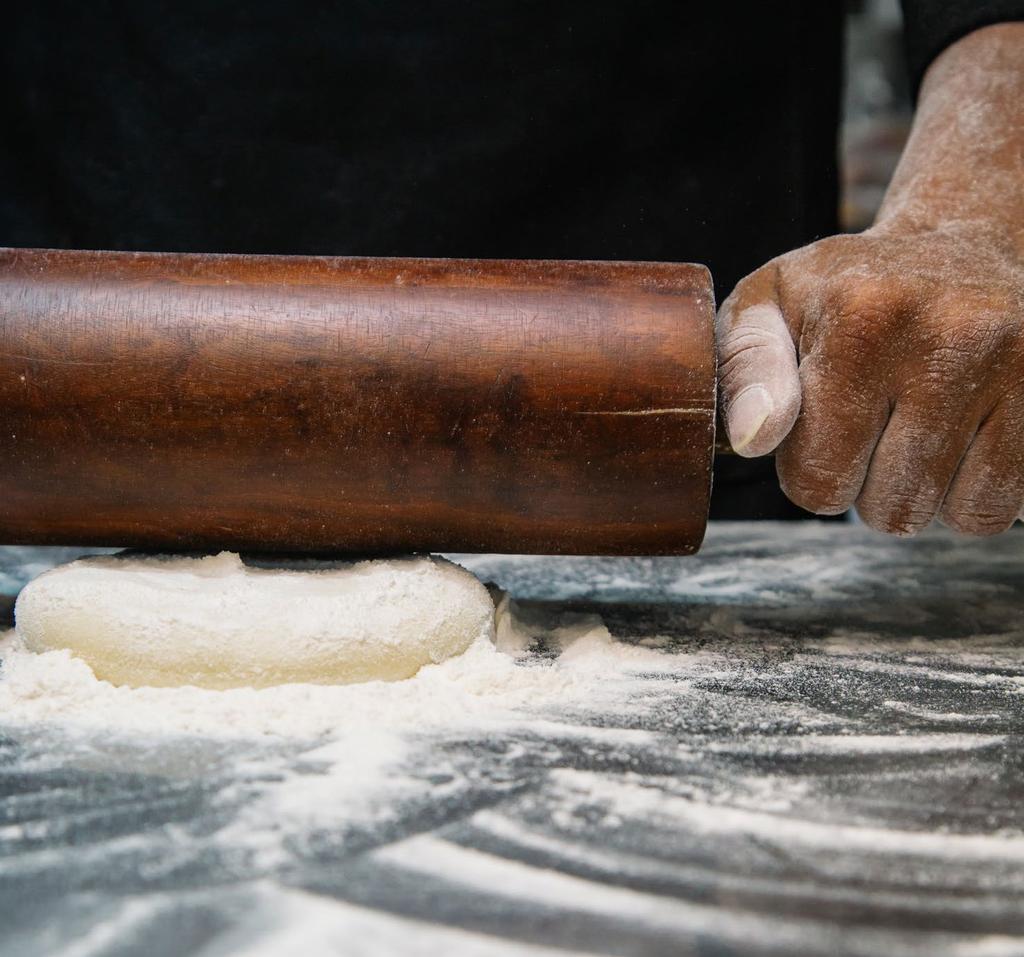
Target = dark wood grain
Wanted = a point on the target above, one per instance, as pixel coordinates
(354, 405)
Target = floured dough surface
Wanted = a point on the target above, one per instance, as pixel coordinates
(216, 622)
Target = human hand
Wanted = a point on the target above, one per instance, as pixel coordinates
(887, 368)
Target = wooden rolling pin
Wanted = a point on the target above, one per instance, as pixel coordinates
(339, 405)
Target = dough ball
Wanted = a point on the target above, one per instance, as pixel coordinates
(218, 623)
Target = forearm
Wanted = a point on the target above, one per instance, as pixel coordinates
(964, 162)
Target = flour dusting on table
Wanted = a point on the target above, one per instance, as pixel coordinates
(805, 740)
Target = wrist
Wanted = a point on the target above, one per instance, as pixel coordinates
(962, 168)
(981, 229)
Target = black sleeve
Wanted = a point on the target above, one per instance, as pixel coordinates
(932, 25)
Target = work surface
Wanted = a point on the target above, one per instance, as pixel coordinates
(833, 764)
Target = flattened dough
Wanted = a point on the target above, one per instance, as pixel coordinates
(218, 623)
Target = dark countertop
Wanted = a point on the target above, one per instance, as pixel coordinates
(838, 769)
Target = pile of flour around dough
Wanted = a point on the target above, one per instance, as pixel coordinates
(217, 622)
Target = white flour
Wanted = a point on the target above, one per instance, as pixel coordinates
(486, 681)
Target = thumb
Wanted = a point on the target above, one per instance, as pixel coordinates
(758, 381)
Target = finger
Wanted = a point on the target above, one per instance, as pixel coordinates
(758, 380)
(914, 463)
(987, 492)
(823, 462)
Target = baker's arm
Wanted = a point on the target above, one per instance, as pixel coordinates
(887, 368)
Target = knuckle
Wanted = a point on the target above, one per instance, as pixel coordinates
(858, 323)
(898, 529)
(898, 509)
(745, 339)
(855, 341)
(867, 300)
(816, 486)
(748, 350)
(900, 519)
(981, 518)
(746, 292)
(953, 345)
